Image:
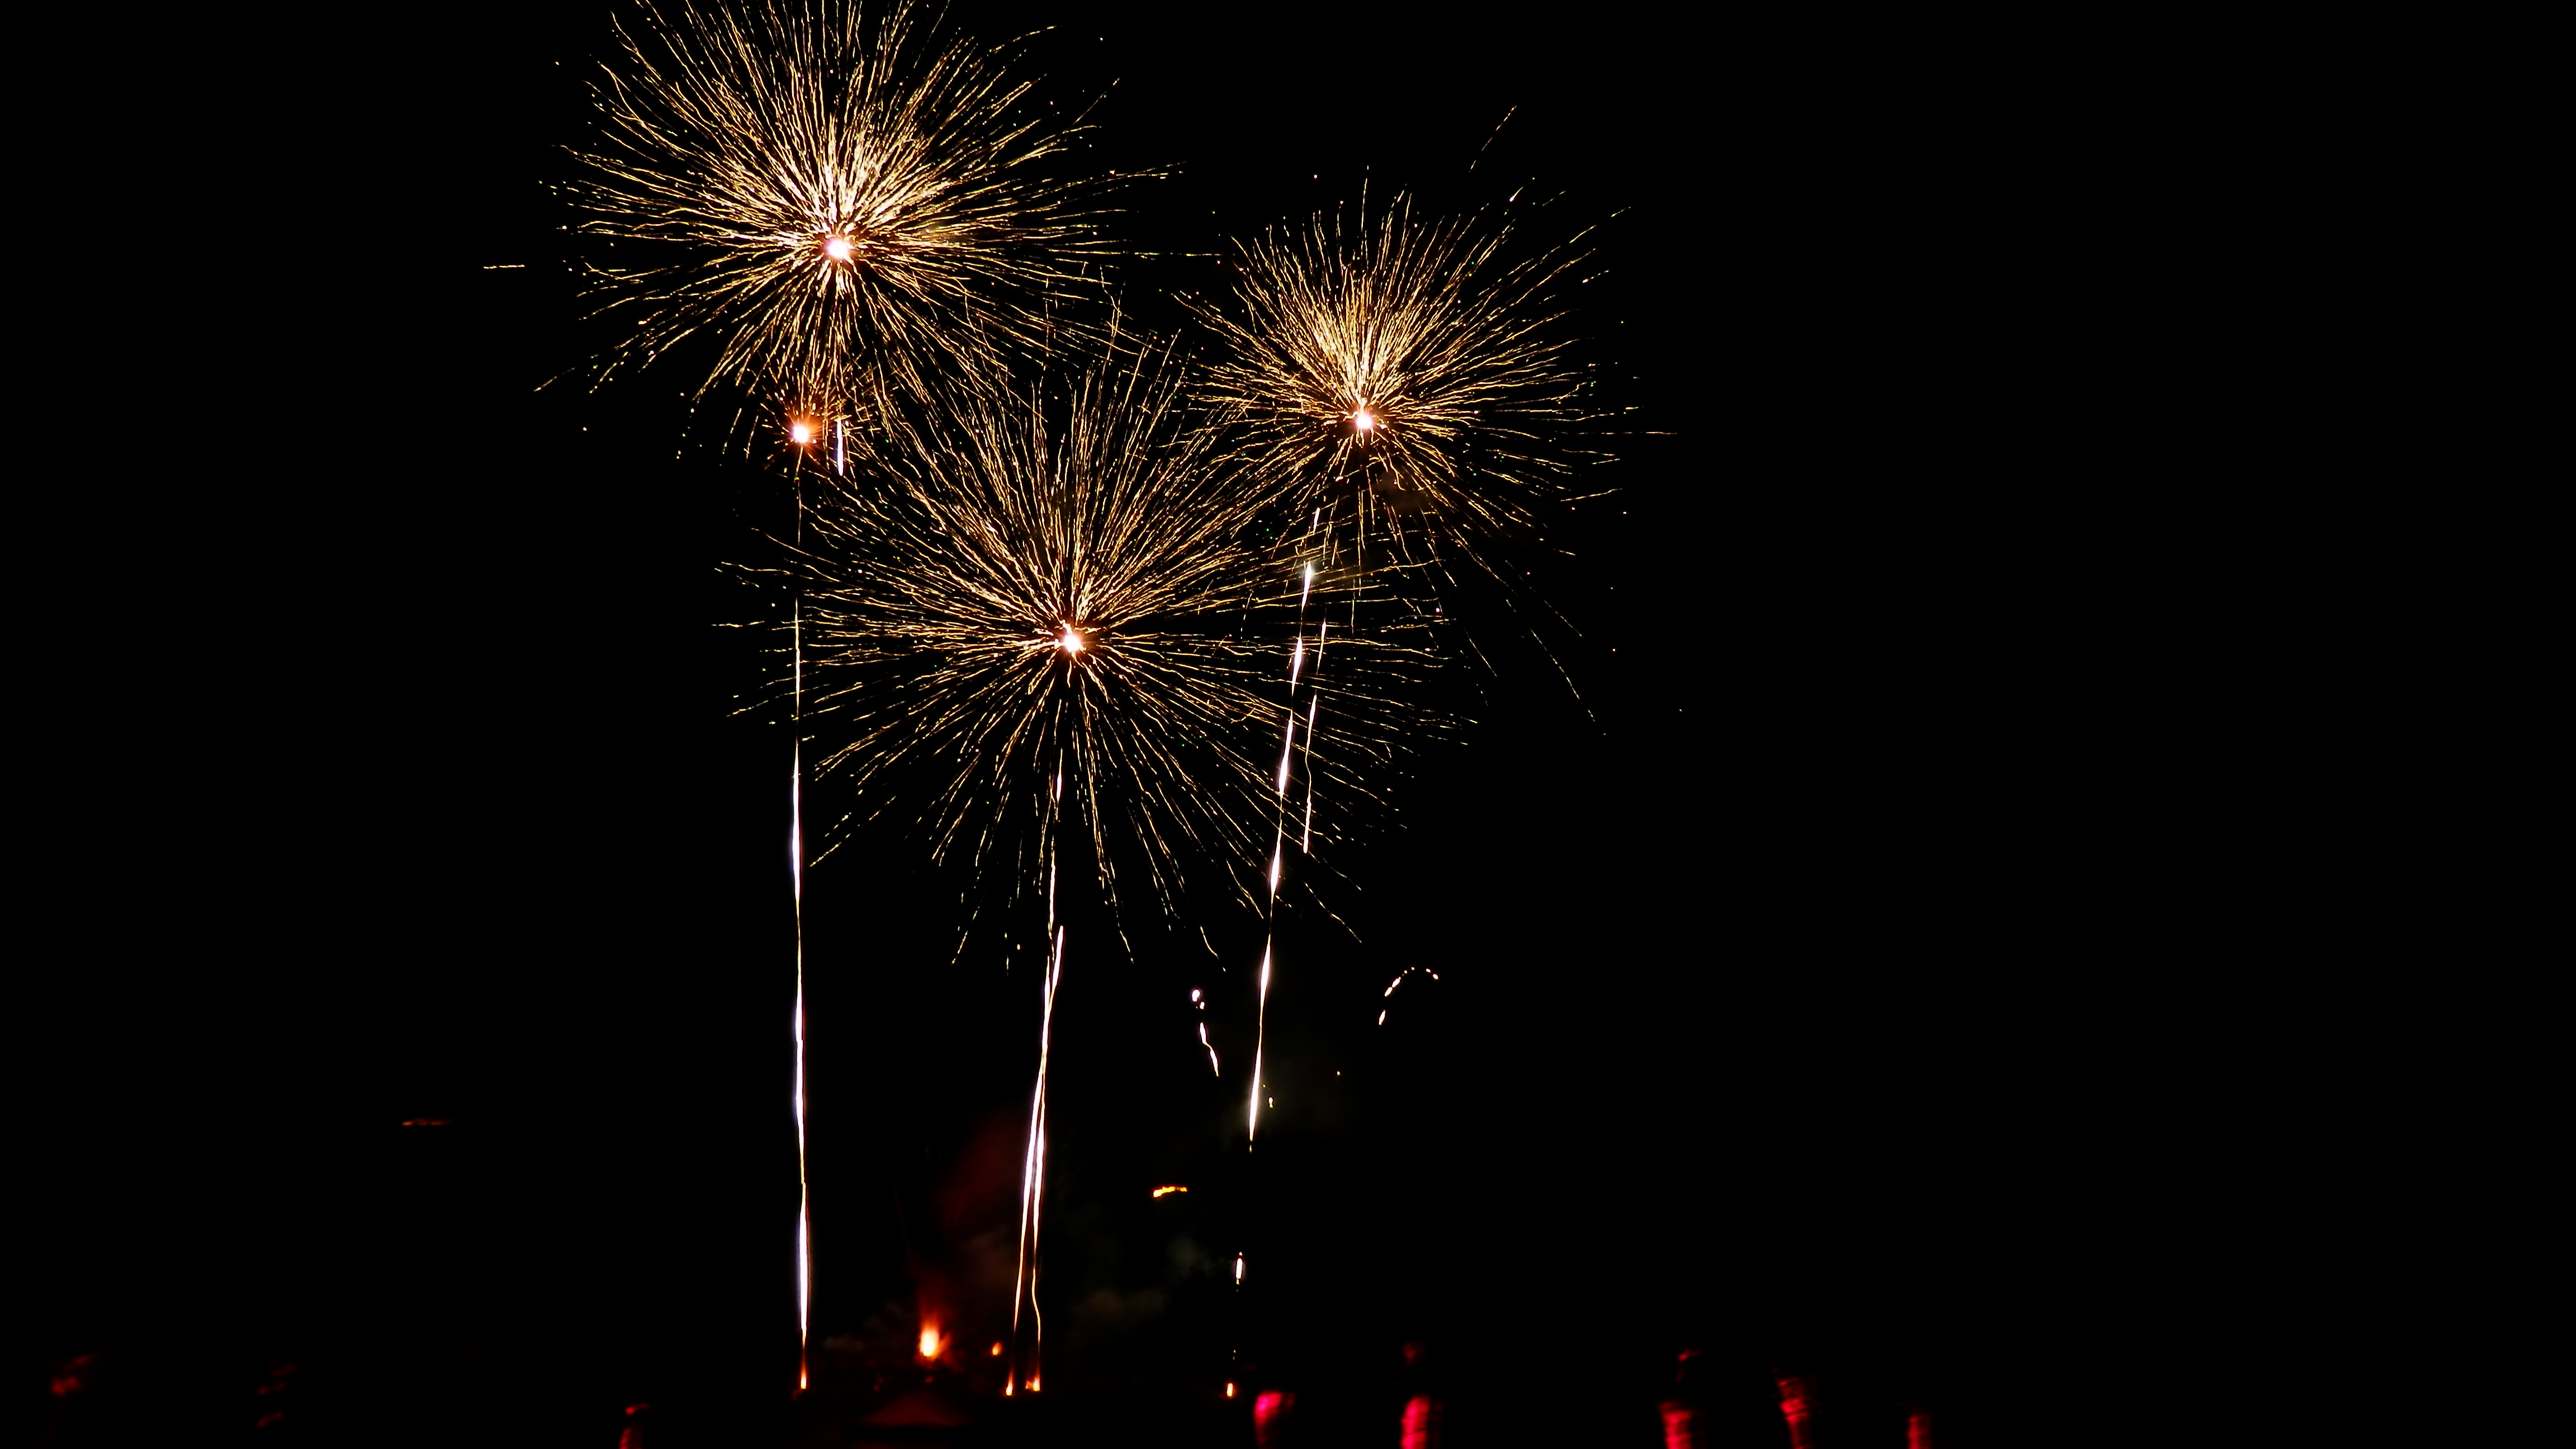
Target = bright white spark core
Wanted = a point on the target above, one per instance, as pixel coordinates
(1071, 641)
(1362, 421)
(802, 432)
(837, 248)
(1261, 1018)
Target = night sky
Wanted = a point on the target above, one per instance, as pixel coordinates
(1798, 972)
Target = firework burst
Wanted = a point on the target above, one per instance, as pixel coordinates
(850, 202)
(1060, 614)
(1402, 373)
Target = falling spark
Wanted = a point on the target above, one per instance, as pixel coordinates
(1166, 1191)
(1399, 981)
(844, 196)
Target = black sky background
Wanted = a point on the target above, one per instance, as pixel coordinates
(1825, 986)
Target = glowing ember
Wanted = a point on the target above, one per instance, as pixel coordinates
(930, 1342)
(997, 1350)
(837, 248)
(1229, 1391)
(1160, 1191)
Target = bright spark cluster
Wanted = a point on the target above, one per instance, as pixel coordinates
(1068, 585)
(1406, 366)
(852, 203)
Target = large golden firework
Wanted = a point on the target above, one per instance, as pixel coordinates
(1062, 609)
(851, 202)
(1404, 370)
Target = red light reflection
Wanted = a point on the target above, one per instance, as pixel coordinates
(1421, 1422)
(1794, 1407)
(1270, 1411)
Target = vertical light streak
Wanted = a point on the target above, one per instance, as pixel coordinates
(796, 876)
(1024, 1287)
(1306, 833)
(1033, 1183)
(1260, 1029)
